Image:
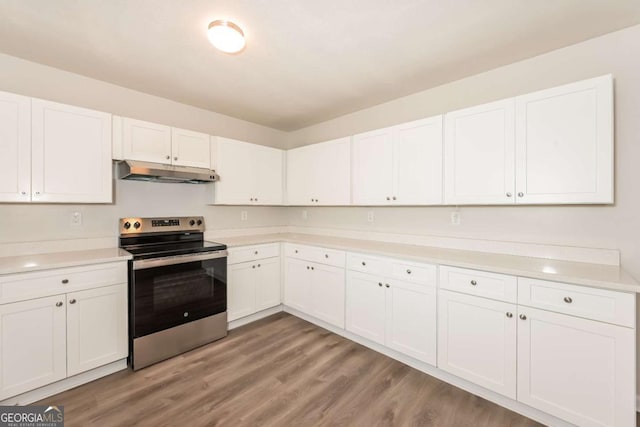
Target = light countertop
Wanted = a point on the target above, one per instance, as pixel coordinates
(594, 275)
(45, 261)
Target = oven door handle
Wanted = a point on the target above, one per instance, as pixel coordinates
(178, 259)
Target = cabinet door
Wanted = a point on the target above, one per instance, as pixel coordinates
(328, 294)
(15, 148)
(576, 369)
(417, 162)
(268, 284)
(189, 148)
(332, 172)
(365, 312)
(267, 175)
(96, 328)
(411, 320)
(372, 167)
(241, 290)
(237, 173)
(146, 142)
(32, 344)
(71, 154)
(479, 154)
(477, 341)
(300, 176)
(564, 144)
(297, 284)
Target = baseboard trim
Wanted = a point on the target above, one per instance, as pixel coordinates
(255, 316)
(527, 411)
(66, 384)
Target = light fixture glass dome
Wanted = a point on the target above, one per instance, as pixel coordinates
(226, 36)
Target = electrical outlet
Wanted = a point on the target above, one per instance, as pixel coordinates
(455, 217)
(304, 214)
(244, 216)
(370, 216)
(76, 218)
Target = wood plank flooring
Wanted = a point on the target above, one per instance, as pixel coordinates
(279, 371)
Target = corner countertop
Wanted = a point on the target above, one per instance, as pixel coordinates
(46, 261)
(579, 273)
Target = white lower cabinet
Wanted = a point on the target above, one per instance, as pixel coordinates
(315, 289)
(253, 286)
(477, 340)
(579, 370)
(32, 344)
(398, 314)
(96, 327)
(48, 338)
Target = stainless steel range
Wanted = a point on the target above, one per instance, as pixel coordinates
(177, 287)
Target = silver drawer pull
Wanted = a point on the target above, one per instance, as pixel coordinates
(387, 285)
(523, 317)
(408, 271)
(380, 284)
(65, 281)
(73, 301)
(255, 253)
(568, 300)
(509, 315)
(296, 251)
(473, 282)
(364, 263)
(326, 255)
(59, 304)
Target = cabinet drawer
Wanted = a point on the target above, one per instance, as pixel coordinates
(414, 272)
(252, 253)
(316, 254)
(33, 285)
(368, 264)
(481, 283)
(590, 303)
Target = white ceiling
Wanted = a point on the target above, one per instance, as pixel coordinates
(306, 61)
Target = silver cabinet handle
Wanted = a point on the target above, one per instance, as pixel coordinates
(523, 317)
(308, 267)
(473, 282)
(65, 281)
(175, 158)
(520, 194)
(387, 285)
(168, 157)
(258, 265)
(73, 301)
(59, 304)
(388, 198)
(380, 284)
(394, 197)
(312, 200)
(24, 193)
(509, 315)
(296, 251)
(253, 266)
(37, 193)
(509, 194)
(312, 268)
(568, 300)
(326, 255)
(255, 252)
(256, 199)
(364, 263)
(408, 271)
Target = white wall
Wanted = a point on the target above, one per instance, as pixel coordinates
(615, 226)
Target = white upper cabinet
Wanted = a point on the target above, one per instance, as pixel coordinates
(71, 154)
(189, 148)
(399, 165)
(320, 174)
(156, 143)
(479, 155)
(564, 144)
(15, 148)
(250, 174)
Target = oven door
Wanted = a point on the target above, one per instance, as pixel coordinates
(171, 291)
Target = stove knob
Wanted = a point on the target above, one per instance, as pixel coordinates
(136, 225)
(192, 223)
(127, 225)
(199, 222)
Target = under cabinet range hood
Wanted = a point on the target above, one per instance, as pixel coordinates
(157, 172)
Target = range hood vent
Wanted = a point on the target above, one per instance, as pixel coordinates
(157, 172)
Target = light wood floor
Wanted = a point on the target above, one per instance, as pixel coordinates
(279, 371)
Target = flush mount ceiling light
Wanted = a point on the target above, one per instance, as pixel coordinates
(226, 36)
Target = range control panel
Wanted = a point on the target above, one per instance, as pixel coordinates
(134, 225)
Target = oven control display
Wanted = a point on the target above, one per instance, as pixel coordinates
(165, 222)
